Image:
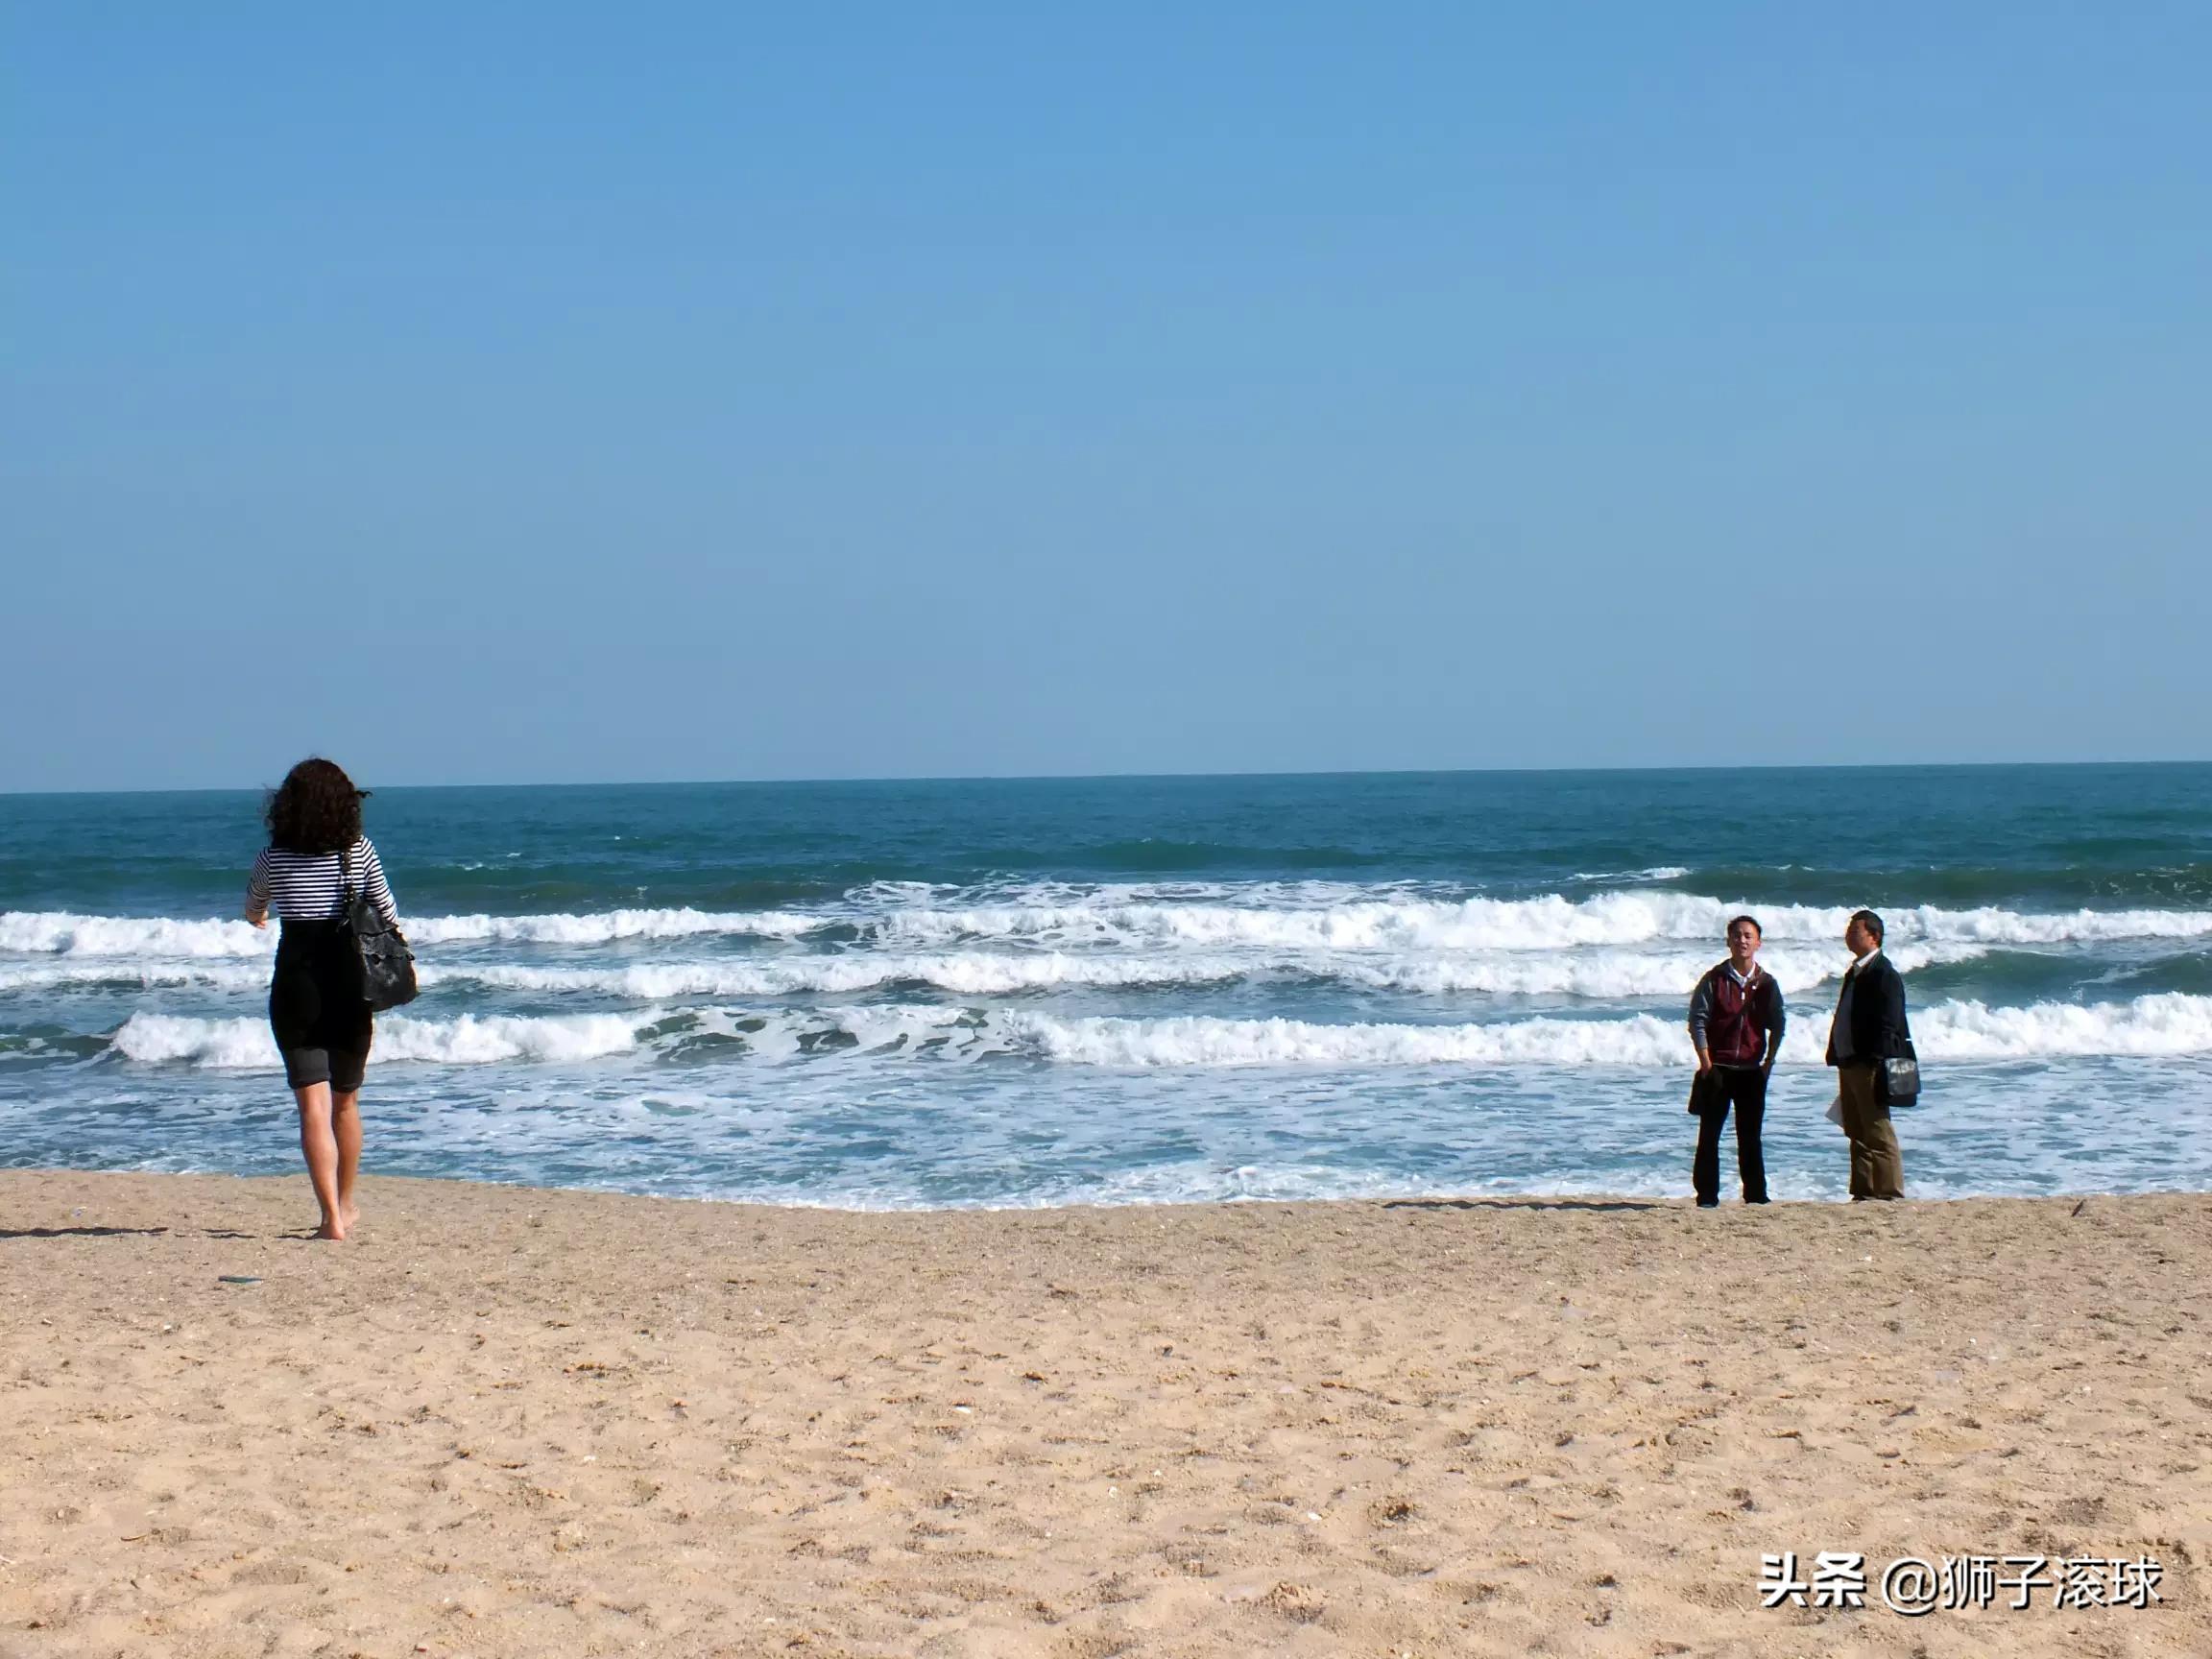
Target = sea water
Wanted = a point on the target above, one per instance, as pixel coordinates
(1139, 990)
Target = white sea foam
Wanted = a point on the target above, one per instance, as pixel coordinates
(61, 933)
(605, 926)
(1262, 920)
(1548, 923)
(169, 1039)
(1597, 974)
(1206, 1040)
(1605, 973)
(1964, 1032)
(245, 1044)
(148, 975)
(967, 973)
(33, 932)
(2170, 1023)
(2167, 1025)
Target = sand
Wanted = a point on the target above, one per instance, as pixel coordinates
(515, 1422)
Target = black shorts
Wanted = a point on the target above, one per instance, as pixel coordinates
(324, 1026)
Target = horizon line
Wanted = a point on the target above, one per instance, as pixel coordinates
(1151, 777)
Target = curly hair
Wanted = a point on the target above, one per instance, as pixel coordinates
(316, 809)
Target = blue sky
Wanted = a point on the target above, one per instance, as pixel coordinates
(543, 393)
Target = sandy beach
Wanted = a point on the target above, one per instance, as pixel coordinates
(518, 1422)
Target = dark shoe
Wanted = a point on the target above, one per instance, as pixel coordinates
(1761, 1199)
(1708, 1203)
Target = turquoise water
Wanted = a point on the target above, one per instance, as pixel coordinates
(1050, 992)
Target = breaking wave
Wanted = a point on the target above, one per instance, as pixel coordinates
(1105, 920)
(1548, 923)
(245, 1044)
(61, 933)
(2171, 1025)
(2168, 1024)
(1592, 976)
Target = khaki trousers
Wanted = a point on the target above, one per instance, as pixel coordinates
(1877, 1165)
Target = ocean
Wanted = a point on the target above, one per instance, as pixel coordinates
(996, 993)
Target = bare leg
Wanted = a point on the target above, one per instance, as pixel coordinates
(346, 1130)
(320, 1146)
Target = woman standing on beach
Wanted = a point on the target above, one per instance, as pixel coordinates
(323, 1023)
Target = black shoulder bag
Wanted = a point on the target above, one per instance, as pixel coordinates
(1897, 1079)
(386, 965)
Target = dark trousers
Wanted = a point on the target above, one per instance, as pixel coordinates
(1745, 1087)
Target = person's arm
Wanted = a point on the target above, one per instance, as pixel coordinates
(1890, 1033)
(1778, 1021)
(1700, 1018)
(257, 890)
(378, 889)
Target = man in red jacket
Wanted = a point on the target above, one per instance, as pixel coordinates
(1736, 1021)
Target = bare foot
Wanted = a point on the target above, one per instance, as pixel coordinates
(350, 1218)
(332, 1231)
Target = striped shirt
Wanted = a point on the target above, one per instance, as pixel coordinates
(307, 886)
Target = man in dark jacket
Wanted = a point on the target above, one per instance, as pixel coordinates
(1736, 1021)
(1869, 1029)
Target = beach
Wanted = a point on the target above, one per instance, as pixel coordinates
(511, 1421)
(1183, 833)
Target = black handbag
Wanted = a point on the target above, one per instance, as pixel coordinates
(1897, 1079)
(387, 964)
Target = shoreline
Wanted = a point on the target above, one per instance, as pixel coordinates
(512, 1419)
(1463, 1197)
